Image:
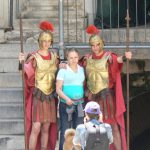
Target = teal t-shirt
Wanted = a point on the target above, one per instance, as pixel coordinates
(72, 82)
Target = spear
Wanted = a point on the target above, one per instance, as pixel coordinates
(21, 67)
(127, 77)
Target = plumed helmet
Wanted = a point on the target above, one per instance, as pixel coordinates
(94, 32)
(46, 34)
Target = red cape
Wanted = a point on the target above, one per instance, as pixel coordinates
(115, 70)
(29, 86)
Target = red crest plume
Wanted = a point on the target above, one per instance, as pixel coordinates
(92, 30)
(45, 25)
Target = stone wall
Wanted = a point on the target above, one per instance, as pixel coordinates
(4, 13)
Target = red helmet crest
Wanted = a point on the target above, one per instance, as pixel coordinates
(92, 29)
(45, 25)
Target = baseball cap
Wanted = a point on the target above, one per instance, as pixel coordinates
(92, 108)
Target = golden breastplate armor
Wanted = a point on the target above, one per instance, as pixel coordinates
(97, 74)
(45, 73)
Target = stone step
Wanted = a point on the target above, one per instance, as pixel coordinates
(54, 6)
(34, 23)
(12, 50)
(48, 14)
(11, 95)
(11, 110)
(31, 36)
(11, 126)
(10, 80)
(9, 65)
(11, 142)
(51, 3)
(15, 142)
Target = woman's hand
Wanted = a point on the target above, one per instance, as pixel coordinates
(69, 102)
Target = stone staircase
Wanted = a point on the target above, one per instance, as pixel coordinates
(11, 116)
(11, 99)
(36, 11)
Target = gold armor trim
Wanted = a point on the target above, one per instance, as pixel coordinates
(97, 74)
(45, 73)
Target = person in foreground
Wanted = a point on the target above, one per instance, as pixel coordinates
(40, 102)
(101, 133)
(103, 70)
(69, 87)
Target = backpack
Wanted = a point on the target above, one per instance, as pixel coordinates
(95, 140)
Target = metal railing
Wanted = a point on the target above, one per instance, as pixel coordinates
(11, 14)
(73, 17)
(114, 20)
(112, 23)
(118, 30)
(111, 14)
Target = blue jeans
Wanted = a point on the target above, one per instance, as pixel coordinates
(65, 124)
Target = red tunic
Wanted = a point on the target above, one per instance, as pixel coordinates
(29, 88)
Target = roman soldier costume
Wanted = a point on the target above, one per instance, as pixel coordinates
(41, 102)
(104, 83)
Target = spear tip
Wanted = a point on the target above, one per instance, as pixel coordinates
(127, 18)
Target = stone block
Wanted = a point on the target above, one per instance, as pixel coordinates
(10, 142)
(11, 127)
(11, 111)
(9, 80)
(16, 143)
(9, 65)
(2, 36)
(10, 95)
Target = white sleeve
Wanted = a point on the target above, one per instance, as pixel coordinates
(60, 74)
(109, 133)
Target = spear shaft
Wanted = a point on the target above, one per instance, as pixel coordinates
(21, 67)
(127, 78)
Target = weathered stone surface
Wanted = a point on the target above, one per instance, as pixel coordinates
(16, 143)
(11, 110)
(9, 80)
(11, 127)
(31, 40)
(9, 65)
(11, 95)
(2, 36)
(12, 50)
(11, 142)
